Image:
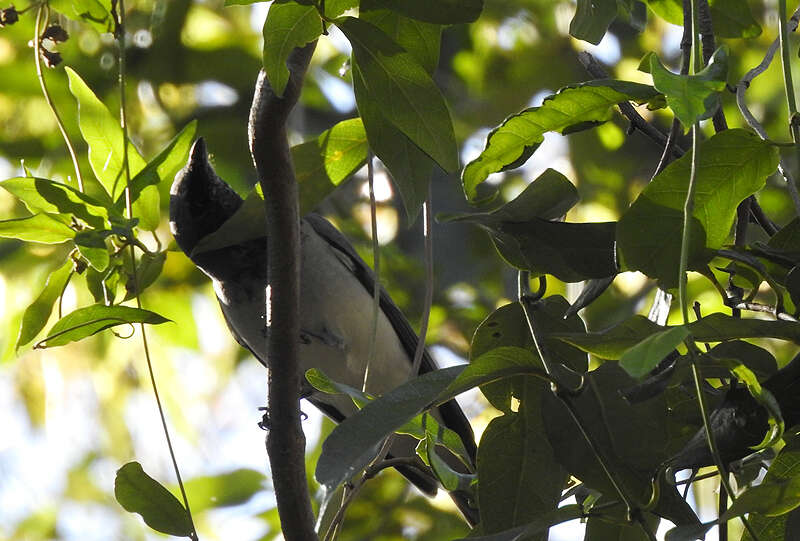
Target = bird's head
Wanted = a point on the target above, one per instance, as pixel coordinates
(200, 202)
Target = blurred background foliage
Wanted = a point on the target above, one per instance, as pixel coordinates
(71, 416)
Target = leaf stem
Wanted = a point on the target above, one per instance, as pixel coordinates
(37, 43)
(120, 34)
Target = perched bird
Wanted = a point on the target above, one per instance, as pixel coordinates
(336, 288)
(739, 423)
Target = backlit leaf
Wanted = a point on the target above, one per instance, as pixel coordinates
(45, 228)
(92, 319)
(288, 25)
(139, 493)
(36, 315)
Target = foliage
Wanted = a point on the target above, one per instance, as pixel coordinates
(595, 406)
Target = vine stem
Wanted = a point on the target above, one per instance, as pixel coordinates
(123, 121)
(794, 121)
(37, 43)
(376, 260)
(688, 210)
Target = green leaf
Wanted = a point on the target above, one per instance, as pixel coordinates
(288, 25)
(692, 97)
(644, 356)
(44, 195)
(769, 498)
(541, 524)
(451, 479)
(526, 238)
(410, 99)
(731, 166)
(139, 493)
(409, 166)
(422, 40)
(149, 269)
(36, 315)
(334, 8)
(631, 438)
(92, 12)
(689, 532)
(786, 466)
(592, 18)
(439, 12)
(518, 461)
(506, 335)
(92, 246)
(572, 252)
(760, 361)
(353, 443)
(730, 18)
(549, 197)
(163, 167)
(102, 133)
(92, 319)
(614, 342)
(571, 109)
(420, 427)
(225, 489)
(718, 327)
(325, 162)
(44, 228)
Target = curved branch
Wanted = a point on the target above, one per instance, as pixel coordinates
(269, 147)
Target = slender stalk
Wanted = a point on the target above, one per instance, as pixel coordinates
(794, 120)
(37, 43)
(376, 259)
(427, 224)
(123, 120)
(688, 210)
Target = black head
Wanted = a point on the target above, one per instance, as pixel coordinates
(200, 202)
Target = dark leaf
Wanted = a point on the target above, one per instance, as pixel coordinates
(353, 443)
(36, 315)
(139, 493)
(440, 12)
(592, 18)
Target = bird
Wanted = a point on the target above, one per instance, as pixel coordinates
(336, 299)
(739, 422)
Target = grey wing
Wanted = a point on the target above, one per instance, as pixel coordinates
(451, 413)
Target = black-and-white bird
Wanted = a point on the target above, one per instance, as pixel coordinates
(335, 305)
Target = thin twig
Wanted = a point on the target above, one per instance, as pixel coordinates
(741, 88)
(594, 69)
(376, 259)
(427, 224)
(37, 43)
(120, 31)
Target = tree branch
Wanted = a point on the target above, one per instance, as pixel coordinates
(269, 147)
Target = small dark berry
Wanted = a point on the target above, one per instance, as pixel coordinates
(55, 33)
(8, 16)
(51, 58)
